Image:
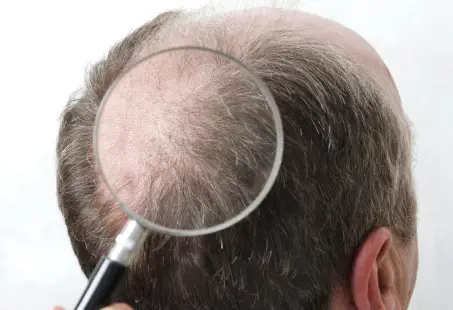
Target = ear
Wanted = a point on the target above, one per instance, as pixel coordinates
(373, 274)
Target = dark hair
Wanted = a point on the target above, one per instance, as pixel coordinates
(346, 169)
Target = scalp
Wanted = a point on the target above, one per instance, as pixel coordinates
(162, 119)
(184, 127)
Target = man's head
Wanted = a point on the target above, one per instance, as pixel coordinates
(338, 229)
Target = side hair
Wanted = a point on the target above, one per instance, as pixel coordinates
(346, 170)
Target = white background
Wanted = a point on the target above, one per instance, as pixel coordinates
(45, 46)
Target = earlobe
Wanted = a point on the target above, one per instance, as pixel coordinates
(372, 273)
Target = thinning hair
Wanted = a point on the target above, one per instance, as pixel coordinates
(346, 170)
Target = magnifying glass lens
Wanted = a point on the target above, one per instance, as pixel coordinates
(188, 140)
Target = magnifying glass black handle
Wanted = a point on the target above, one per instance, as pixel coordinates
(102, 285)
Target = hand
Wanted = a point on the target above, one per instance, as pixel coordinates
(111, 307)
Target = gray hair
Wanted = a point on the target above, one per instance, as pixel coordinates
(346, 170)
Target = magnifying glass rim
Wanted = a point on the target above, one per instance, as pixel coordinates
(259, 198)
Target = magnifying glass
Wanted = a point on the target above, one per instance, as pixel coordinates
(188, 142)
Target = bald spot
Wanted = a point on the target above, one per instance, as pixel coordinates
(147, 122)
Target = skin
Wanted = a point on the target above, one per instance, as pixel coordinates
(384, 272)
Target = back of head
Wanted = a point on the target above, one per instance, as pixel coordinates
(346, 170)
